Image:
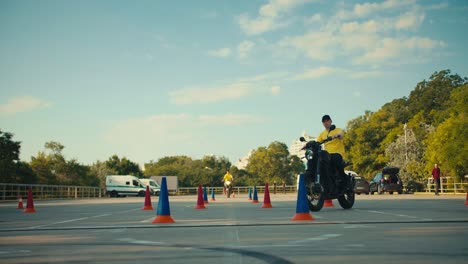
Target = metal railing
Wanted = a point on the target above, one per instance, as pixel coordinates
(10, 192)
(447, 185)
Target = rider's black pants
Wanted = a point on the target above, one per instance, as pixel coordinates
(337, 162)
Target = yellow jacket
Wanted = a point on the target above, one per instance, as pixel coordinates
(334, 146)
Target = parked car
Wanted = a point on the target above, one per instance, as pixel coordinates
(387, 181)
(361, 186)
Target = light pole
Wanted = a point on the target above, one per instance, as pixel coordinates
(406, 149)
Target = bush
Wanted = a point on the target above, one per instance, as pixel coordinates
(414, 186)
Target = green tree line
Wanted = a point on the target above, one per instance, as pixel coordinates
(412, 133)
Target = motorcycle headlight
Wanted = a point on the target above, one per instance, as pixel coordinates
(309, 154)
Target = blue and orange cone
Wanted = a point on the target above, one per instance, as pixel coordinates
(164, 211)
(302, 208)
(212, 195)
(148, 205)
(266, 198)
(205, 195)
(255, 196)
(200, 203)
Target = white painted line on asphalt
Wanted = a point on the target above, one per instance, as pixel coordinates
(385, 213)
(15, 251)
(140, 242)
(61, 222)
(319, 238)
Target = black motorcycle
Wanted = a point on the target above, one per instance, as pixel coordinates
(323, 180)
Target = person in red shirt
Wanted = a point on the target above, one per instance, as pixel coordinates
(436, 177)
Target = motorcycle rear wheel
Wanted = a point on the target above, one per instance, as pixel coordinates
(347, 200)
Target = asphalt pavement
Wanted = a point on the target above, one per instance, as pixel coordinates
(379, 228)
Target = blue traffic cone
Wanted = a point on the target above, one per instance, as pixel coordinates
(255, 196)
(250, 194)
(205, 195)
(302, 207)
(212, 195)
(164, 211)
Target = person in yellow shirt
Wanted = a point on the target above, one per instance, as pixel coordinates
(228, 177)
(335, 147)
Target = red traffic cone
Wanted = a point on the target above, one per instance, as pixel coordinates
(328, 203)
(266, 198)
(164, 211)
(466, 201)
(148, 205)
(30, 203)
(20, 202)
(200, 202)
(302, 205)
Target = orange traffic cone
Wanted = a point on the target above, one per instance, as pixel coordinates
(20, 202)
(148, 205)
(302, 205)
(328, 203)
(266, 198)
(30, 203)
(164, 211)
(200, 202)
(466, 201)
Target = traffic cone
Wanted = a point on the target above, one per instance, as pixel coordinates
(212, 195)
(163, 214)
(148, 205)
(266, 198)
(328, 203)
(250, 194)
(20, 202)
(30, 203)
(255, 196)
(200, 203)
(205, 195)
(466, 200)
(302, 208)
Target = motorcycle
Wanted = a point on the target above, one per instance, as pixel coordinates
(228, 186)
(323, 180)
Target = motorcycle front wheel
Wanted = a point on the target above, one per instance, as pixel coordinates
(315, 196)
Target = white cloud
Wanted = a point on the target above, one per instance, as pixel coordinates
(409, 20)
(22, 104)
(160, 134)
(244, 48)
(222, 53)
(199, 95)
(314, 73)
(270, 17)
(249, 86)
(275, 90)
(313, 19)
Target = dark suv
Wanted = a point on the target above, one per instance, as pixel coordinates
(387, 181)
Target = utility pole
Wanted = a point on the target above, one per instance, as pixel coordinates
(406, 148)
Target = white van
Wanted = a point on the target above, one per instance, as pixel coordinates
(123, 185)
(154, 186)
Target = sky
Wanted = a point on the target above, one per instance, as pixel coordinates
(149, 79)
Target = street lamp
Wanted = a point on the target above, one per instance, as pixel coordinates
(406, 149)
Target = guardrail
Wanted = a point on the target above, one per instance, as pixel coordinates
(237, 190)
(10, 192)
(447, 186)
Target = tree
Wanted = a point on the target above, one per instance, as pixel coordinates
(273, 164)
(9, 156)
(406, 153)
(123, 166)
